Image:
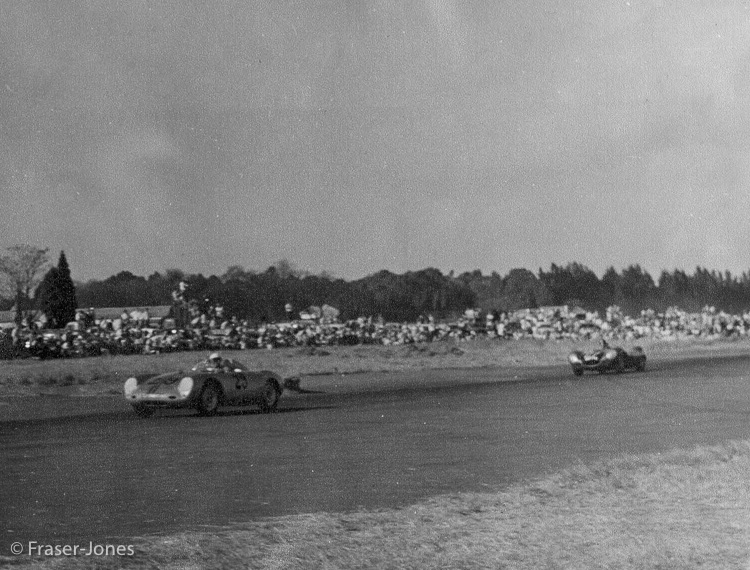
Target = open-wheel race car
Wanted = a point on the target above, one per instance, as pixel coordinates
(608, 359)
(211, 383)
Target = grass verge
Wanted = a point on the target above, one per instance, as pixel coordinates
(102, 375)
(677, 510)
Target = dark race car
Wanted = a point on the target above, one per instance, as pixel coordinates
(614, 359)
(209, 384)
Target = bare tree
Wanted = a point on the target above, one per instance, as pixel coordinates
(21, 269)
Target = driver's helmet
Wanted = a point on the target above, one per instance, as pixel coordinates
(215, 359)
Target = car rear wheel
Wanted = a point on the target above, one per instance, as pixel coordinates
(143, 411)
(208, 401)
(578, 370)
(270, 397)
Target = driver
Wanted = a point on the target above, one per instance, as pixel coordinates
(605, 347)
(598, 354)
(216, 361)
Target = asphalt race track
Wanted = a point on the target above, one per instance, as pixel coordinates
(107, 474)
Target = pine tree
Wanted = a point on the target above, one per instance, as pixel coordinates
(57, 294)
(68, 301)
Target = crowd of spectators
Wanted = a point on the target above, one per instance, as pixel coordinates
(136, 332)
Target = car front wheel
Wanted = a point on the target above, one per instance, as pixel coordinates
(270, 397)
(208, 401)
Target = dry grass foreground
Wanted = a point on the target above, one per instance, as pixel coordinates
(683, 509)
(106, 374)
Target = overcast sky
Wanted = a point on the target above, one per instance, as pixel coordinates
(357, 136)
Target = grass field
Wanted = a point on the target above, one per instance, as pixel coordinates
(685, 509)
(107, 373)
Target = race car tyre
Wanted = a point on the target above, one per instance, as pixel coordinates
(208, 401)
(641, 359)
(620, 364)
(270, 397)
(143, 411)
(578, 370)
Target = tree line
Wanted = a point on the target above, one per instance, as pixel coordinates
(262, 295)
(31, 284)
(26, 286)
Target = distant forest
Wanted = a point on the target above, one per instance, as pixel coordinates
(262, 295)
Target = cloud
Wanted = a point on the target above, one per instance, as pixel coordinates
(202, 134)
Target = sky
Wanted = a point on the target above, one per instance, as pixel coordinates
(350, 137)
